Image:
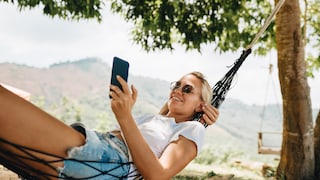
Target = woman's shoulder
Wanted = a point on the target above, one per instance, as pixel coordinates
(192, 124)
(144, 118)
(191, 130)
(152, 116)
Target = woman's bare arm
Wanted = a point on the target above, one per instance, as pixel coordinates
(175, 157)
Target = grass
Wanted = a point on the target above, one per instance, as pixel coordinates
(218, 164)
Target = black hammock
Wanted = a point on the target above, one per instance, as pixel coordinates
(25, 171)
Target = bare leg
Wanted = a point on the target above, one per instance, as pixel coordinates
(23, 123)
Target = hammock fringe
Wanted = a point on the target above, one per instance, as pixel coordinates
(221, 88)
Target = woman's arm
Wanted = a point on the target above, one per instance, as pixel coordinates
(175, 157)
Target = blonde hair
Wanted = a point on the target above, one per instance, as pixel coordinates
(206, 92)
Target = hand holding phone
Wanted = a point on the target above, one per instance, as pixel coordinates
(120, 67)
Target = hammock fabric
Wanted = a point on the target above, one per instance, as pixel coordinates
(219, 90)
(22, 169)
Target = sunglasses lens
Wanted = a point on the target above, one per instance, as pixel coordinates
(175, 85)
(187, 89)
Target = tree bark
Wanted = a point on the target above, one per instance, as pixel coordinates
(317, 147)
(297, 154)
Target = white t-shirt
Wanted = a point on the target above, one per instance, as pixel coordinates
(159, 131)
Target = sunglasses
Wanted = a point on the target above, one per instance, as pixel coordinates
(185, 89)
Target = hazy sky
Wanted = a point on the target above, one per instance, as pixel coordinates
(28, 37)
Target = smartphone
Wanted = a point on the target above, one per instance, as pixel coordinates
(119, 67)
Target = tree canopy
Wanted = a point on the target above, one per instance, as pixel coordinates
(66, 9)
(162, 24)
(312, 34)
(229, 24)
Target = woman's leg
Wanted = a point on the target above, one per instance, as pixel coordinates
(23, 123)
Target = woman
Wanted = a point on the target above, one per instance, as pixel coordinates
(160, 146)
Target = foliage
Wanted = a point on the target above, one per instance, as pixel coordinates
(229, 24)
(313, 64)
(313, 38)
(212, 155)
(67, 9)
(195, 177)
(160, 24)
(269, 172)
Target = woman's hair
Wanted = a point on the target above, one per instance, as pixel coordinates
(206, 92)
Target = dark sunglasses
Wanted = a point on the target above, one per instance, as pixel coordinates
(185, 89)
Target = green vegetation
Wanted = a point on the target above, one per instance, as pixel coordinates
(195, 177)
(229, 162)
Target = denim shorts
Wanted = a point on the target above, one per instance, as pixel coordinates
(103, 156)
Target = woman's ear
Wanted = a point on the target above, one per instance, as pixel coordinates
(199, 108)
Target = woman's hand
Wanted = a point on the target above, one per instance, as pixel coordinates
(210, 114)
(122, 101)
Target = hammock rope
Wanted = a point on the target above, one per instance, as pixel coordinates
(26, 171)
(18, 166)
(221, 88)
(266, 24)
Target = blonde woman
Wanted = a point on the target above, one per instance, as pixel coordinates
(154, 146)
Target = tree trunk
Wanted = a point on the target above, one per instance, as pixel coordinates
(297, 154)
(317, 147)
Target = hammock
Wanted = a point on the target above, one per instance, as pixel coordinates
(219, 90)
(219, 93)
(25, 171)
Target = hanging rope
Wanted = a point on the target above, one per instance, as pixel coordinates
(270, 80)
(266, 24)
(221, 88)
(24, 170)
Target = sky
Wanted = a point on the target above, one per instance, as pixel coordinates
(28, 37)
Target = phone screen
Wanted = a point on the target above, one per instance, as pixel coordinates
(119, 67)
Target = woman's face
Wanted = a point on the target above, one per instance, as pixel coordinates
(185, 98)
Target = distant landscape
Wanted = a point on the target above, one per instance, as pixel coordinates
(78, 91)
